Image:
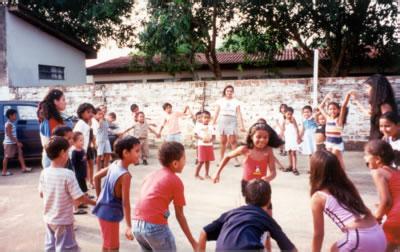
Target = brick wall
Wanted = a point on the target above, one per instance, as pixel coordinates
(259, 98)
(3, 62)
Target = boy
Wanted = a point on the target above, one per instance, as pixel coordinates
(11, 144)
(141, 131)
(60, 190)
(243, 227)
(102, 141)
(113, 201)
(67, 134)
(113, 127)
(171, 122)
(157, 191)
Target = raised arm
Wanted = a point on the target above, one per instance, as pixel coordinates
(237, 152)
(343, 108)
(321, 106)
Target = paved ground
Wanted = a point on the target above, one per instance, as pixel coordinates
(21, 225)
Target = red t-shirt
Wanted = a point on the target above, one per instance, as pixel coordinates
(157, 191)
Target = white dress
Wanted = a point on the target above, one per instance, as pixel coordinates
(291, 137)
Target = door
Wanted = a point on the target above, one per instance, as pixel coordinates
(28, 130)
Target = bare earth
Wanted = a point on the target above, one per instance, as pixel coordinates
(22, 228)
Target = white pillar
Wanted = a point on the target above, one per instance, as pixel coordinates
(315, 78)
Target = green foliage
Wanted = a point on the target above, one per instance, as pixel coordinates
(87, 20)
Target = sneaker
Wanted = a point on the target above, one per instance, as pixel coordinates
(145, 162)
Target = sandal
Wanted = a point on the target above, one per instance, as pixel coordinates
(6, 174)
(296, 172)
(289, 169)
(27, 170)
(81, 206)
(80, 211)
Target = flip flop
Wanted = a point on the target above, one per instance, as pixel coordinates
(7, 174)
(80, 211)
(296, 172)
(289, 169)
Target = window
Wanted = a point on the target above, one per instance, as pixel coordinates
(26, 112)
(51, 72)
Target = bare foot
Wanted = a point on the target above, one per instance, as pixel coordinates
(199, 177)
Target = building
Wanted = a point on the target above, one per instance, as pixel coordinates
(35, 53)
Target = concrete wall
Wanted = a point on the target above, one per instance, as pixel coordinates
(3, 61)
(259, 98)
(27, 47)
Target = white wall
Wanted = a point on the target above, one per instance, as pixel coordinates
(27, 47)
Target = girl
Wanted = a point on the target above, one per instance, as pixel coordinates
(308, 131)
(229, 108)
(389, 125)
(335, 120)
(381, 100)
(50, 115)
(320, 132)
(333, 193)
(103, 143)
(379, 156)
(292, 140)
(113, 202)
(205, 134)
(259, 162)
(279, 127)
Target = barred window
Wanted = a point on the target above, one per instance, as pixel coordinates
(51, 72)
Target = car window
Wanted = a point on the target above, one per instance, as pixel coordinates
(26, 112)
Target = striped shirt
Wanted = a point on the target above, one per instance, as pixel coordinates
(333, 131)
(59, 188)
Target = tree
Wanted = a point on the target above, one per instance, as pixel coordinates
(347, 31)
(88, 20)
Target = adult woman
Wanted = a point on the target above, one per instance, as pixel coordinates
(334, 194)
(381, 100)
(50, 116)
(229, 108)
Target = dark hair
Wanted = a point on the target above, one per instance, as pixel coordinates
(273, 139)
(382, 92)
(327, 173)
(199, 113)
(55, 145)
(84, 107)
(258, 192)
(262, 120)
(61, 130)
(166, 105)
(169, 152)
(113, 115)
(290, 109)
(10, 112)
(224, 91)
(206, 112)
(77, 134)
(283, 105)
(140, 113)
(391, 116)
(98, 109)
(125, 143)
(47, 109)
(134, 107)
(346, 112)
(307, 107)
(381, 149)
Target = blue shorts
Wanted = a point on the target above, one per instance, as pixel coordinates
(153, 237)
(174, 138)
(60, 238)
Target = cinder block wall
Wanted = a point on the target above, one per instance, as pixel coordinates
(259, 98)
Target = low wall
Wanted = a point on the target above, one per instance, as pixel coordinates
(259, 98)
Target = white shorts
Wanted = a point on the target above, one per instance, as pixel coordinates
(103, 148)
(334, 146)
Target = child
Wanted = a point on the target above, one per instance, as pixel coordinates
(379, 156)
(389, 125)
(262, 120)
(171, 122)
(85, 114)
(141, 131)
(205, 133)
(259, 157)
(333, 193)
(197, 119)
(307, 132)
(11, 144)
(320, 132)
(279, 127)
(335, 121)
(102, 141)
(60, 190)
(157, 191)
(248, 223)
(135, 110)
(113, 202)
(78, 161)
(113, 127)
(67, 134)
(292, 140)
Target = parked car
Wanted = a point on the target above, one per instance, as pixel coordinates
(27, 127)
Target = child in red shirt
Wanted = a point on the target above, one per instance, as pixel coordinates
(151, 213)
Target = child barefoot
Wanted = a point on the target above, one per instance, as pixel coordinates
(150, 225)
(60, 190)
(335, 121)
(379, 156)
(113, 202)
(292, 140)
(205, 134)
(248, 222)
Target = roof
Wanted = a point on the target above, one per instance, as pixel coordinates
(224, 58)
(27, 15)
